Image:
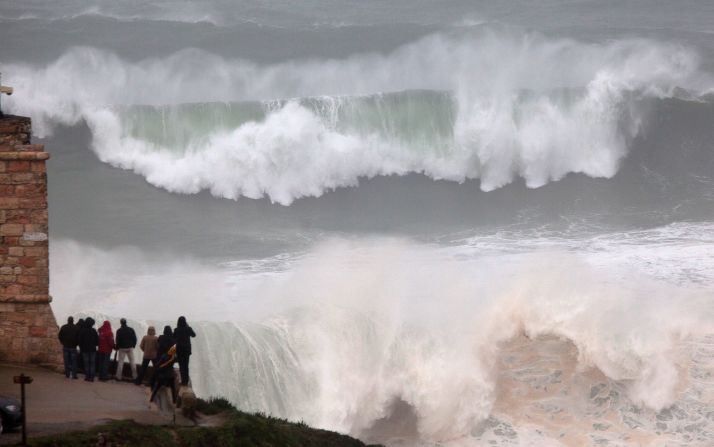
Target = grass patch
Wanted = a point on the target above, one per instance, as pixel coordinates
(213, 406)
(120, 433)
(240, 430)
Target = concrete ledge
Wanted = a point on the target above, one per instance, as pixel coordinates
(26, 299)
(31, 156)
(22, 147)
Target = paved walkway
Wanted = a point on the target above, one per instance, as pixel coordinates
(56, 404)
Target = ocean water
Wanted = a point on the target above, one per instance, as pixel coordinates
(421, 223)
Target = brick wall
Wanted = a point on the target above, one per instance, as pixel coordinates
(28, 330)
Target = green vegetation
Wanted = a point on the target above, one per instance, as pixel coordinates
(119, 433)
(213, 406)
(239, 429)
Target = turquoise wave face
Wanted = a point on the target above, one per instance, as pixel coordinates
(421, 120)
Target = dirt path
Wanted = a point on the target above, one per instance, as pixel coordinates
(56, 404)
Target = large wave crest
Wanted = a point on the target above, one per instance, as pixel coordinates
(492, 104)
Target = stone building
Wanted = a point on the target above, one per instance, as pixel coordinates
(28, 330)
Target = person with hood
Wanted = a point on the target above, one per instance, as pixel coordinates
(69, 337)
(166, 340)
(150, 346)
(106, 346)
(183, 334)
(126, 342)
(88, 342)
(165, 375)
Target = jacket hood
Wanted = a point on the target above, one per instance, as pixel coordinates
(167, 331)
(106, 327)
(181, 322)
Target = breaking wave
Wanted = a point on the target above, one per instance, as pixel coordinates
(449, 106)
(465, 346)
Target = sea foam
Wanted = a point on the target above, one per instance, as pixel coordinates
(551, 108)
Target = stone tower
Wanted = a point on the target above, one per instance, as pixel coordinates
(28, 330)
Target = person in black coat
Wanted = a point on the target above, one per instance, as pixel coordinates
(182, 335)
(69, 337)
(88, 343)
(166, 340)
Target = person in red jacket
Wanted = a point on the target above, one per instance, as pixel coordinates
(106, 346)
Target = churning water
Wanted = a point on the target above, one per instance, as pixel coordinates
(420, 223)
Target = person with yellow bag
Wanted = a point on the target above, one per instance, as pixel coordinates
(165, 376)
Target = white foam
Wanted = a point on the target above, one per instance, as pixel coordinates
(353, 326)
(551, 108)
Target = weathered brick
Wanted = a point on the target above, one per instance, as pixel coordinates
(31, 190)
(18, 166)
(13, 289)
(20, 177)
(7, 307)
(39, 216)
(4, 279)
(36, 251)
(9, 202)
(12, 229)
(33, 203)
(25, 316)
(35, 228)
(27, 279)
(28, 261)
(38, 331)
(37, 271)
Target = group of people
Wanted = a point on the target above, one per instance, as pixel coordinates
(95, 347)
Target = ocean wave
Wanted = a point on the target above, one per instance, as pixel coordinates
(551, 108)
(182, 12)
(353, 328)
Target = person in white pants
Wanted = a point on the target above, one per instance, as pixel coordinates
(125, 344)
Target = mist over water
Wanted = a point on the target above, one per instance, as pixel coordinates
(432, 223)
